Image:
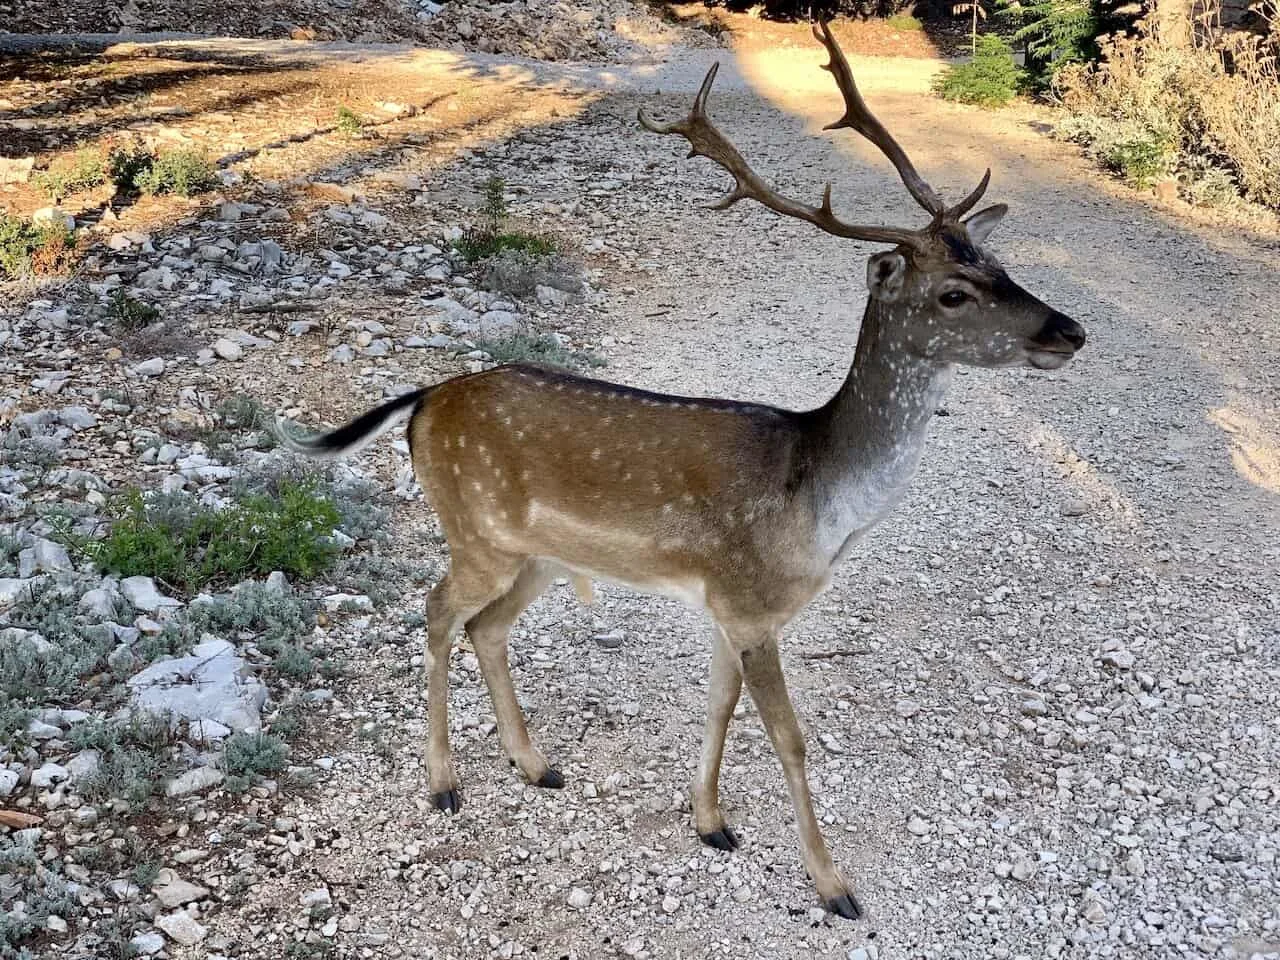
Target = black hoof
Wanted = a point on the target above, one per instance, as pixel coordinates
(450, 801)
(552, 780)
(846, 905)
(722, 839)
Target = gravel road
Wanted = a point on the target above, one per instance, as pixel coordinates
(1041, 700)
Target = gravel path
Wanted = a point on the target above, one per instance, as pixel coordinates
(1041, 700)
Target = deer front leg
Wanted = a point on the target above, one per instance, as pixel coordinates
(762, 671)
(723, 689)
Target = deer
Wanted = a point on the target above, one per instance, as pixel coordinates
(742, 510)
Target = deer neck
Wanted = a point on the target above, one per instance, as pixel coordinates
(866, 442)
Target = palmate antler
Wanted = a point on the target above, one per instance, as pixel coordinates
(706, 141)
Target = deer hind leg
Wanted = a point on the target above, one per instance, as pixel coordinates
(762, 672)
(488, 630)
(723, 689)
(465, 590)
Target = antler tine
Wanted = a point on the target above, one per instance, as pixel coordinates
(858, 116)
(706, 141)
(967, 204)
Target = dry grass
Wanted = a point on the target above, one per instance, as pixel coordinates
(1205, 98)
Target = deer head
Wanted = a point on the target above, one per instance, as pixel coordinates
(939, 294)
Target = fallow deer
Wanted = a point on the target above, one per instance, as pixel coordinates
(740, 509)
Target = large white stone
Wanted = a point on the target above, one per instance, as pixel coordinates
(147, 944)
(172, 891)
(150, 368)
(83, 765)
(182, 928)
(194, 781)
(101, 600)
(53, 217)
(43, 556)
(11, 589)
(142, 593)
(212, 683)
(47, 775)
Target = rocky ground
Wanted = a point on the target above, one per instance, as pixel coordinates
(547, 29)
(1041, 700)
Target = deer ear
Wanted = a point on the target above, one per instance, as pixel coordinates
(886, 274)
(980, 225)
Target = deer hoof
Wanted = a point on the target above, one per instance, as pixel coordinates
(450, 801)
(722, 839)
(552, 779)
(846, 905)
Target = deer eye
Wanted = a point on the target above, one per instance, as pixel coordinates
(953, 298)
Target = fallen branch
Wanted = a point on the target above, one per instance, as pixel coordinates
(19, 821)
(283, 307)
(833, 654)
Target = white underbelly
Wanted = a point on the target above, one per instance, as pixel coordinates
(690, 591)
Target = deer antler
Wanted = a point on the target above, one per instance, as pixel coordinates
(857, 116)
(706, 141)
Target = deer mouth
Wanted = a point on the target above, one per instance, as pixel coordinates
(1043, 359)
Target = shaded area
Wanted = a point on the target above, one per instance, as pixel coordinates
(875, 28)
(386, 20)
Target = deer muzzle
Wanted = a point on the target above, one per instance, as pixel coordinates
(1056, 342)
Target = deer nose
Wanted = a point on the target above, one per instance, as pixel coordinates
(1060, 327)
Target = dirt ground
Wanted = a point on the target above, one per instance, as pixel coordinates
(1128, 502)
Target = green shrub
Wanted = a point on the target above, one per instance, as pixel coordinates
(1141, 160)
(26, 248)
(491, 237)
(84, 171)
(185, 172)
(145, 874)
(991, 79)
(34, 674)
(360, 503)
(476, 245)
(188, 545)
(1139, 154)
(495, 204)
(127, 164)
(348, 123)
(543, 348)
(1205, 185)
(41, 889)
(1055, 33)
(128, 314)
(252, 756)
(133, 758)
(904, 23)
(378, 576)
(1212, 97)
(244, 413)
(13, 718)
